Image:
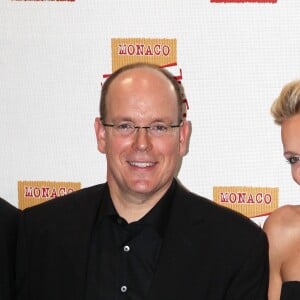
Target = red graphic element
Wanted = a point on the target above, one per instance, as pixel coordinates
(243, 1)
(262, 215)
(44, 0)
(186, 103)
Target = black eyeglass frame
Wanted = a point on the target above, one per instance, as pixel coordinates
(136, 128)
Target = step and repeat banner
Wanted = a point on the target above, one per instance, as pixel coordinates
(233, 58)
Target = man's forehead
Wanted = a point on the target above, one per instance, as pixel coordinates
(141, 71)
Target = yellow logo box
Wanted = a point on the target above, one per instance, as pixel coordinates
(250, 201)
(162, 52)
(31, 193)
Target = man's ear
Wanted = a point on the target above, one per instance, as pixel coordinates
(184, 139)
(100, 135)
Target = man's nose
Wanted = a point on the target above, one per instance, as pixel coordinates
(142, 140)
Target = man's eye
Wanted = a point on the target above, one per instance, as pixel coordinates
(293, 159)
(124, 126)
(159, 128)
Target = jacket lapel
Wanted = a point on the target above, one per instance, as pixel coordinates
(178, 247)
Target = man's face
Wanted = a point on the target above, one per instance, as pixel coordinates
(141, 165)
(290, 134)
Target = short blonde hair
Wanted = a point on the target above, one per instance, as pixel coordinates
(288, 102)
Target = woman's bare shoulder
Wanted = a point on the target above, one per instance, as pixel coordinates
(283, 221)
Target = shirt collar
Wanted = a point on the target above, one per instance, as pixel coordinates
(157, 217)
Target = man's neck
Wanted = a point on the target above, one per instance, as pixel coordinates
(134, 206)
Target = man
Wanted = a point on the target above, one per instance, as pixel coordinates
(141, 235)
(8, 238)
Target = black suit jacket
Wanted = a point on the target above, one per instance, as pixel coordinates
(8, 239)
(209, 252)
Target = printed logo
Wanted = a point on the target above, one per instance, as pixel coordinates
(31, 193)
(44, 0)
(243, 1)
(250, 201)
(162, 52)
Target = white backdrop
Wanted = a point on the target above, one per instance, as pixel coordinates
(235, 59)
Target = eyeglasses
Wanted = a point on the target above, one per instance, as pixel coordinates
(156, 129)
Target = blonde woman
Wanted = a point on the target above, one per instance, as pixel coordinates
(283, 226)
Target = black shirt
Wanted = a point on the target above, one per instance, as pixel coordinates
(123, 257)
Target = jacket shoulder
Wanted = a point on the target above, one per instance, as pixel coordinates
(71, 207)
(215, 214)
(8, 212)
